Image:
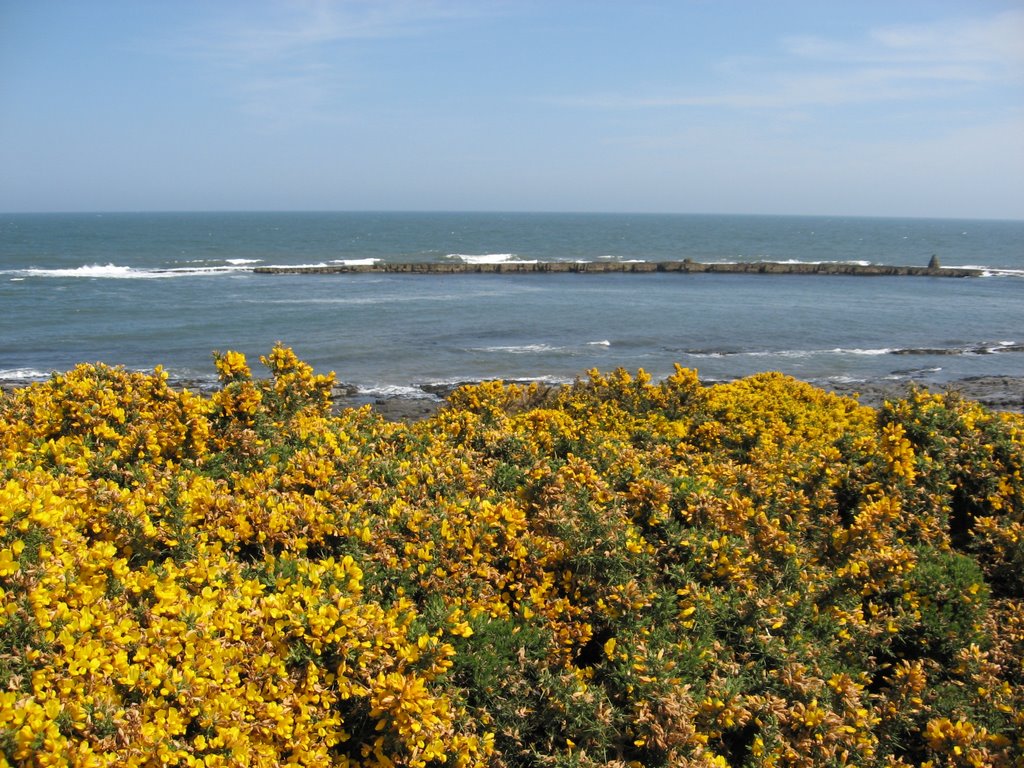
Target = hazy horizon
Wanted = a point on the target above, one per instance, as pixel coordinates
(439, 211)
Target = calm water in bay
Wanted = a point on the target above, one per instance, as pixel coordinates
(145, 289)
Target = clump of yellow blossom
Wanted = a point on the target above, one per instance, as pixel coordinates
(620, 572)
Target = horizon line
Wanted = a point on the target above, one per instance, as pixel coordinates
(494, 212)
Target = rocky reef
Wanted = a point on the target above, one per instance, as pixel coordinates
(631, 267)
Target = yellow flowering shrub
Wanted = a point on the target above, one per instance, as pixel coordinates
(620, 572)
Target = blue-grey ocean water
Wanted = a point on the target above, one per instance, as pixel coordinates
(145, 289)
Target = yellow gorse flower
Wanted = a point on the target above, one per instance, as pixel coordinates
(618, 572)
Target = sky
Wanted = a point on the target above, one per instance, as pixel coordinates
(814, 107)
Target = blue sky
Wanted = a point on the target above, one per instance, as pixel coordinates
(908, 108)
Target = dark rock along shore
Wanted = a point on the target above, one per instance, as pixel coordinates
(687, 266)
(1001, 393)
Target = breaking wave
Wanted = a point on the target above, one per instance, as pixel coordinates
(488, 258)
(982, 348)
(120, 272)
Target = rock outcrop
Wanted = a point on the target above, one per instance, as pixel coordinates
(630, 267)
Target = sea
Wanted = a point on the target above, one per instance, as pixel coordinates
(145, 289)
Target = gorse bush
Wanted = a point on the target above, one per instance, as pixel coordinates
(614, 573)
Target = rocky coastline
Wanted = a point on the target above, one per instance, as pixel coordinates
(686, 266)
(1000, 393)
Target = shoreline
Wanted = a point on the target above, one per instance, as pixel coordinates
(996, 392)
(685, 266)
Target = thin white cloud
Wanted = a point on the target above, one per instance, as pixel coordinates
(296, 27)
(801, 90)
(893, 63)
(989, 49)
(284, 60)
(997, 41)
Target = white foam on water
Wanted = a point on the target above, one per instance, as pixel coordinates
(554, 380)
(846, 262)
(24, 374)
(870, 352)
(394, 390)
(120, 272)
(520, 349)
(988, 271)
(297, 266)
(200, 271)
(1003, 273)
(909, 374)
(602, 343)
(1000, 346)
(356, 262)
(488, 258)
(112, 271)
(240, 262)
(789, 353)
(843, 380)
(711, 355)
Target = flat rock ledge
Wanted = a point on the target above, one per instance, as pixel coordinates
(686, 266)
